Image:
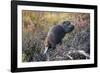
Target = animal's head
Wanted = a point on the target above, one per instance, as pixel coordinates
(68, 27)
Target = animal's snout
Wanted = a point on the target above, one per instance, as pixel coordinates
(71, 27)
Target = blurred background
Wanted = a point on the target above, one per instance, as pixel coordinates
(35, 26)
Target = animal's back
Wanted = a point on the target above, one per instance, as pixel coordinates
(55, 34)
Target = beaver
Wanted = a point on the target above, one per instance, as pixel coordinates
(56, 34)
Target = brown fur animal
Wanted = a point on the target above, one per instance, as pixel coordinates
(56, 34)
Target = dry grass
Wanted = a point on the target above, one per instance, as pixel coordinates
(36, 26)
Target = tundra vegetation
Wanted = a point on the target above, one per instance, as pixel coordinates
(35, 26)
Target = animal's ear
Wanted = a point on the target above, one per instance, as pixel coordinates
(66, 22)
